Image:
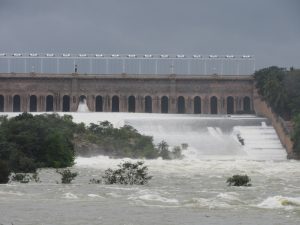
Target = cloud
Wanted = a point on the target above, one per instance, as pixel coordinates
(157, 26)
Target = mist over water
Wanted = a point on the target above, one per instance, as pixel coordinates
(188, 191)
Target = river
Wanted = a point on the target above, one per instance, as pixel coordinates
(188, 191)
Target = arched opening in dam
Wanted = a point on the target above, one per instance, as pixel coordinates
(246, 104)
(33, 103)
(181, 105)
(16, 103)
(230, 105)
(164, 104)
(197, 105)
(115, 104)
(49, 103)
(1, 103)
(214, 105)
(66, 103)
(148, 104)
(99, 104)
(131, 103)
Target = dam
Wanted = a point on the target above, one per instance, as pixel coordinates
(129, 83)
(203, 88)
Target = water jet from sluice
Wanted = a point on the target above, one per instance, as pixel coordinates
(82, 106)
(208, 137)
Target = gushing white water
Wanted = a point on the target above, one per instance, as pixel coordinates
(208, 137)
(82, 106)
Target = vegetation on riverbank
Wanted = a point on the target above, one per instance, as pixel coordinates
(280, 88)
(29, 142)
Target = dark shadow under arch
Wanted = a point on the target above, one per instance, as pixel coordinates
(230, 105)
(49, 103)
(66, 103)
(1, 103)
(16, 103)
(181, 105)
(131, 104)
(197, 105)
(148, 104)
(99, 104)
(164, 104)
(214, 105)
(32, 103)
(247, 105)
(115, 104)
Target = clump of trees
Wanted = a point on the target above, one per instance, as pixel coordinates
(122, 142)
(128, 173)
(67, 176)
(29, 142)
(239, 180)
(280, 88)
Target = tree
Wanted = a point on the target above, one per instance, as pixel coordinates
(4, 172)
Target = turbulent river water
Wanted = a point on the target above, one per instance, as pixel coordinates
(188, 191)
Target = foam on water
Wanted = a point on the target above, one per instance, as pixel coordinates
(70, 195)
(280, 202)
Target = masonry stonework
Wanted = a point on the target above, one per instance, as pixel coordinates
(34, 88)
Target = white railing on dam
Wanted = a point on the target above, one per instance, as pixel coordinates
(127, 63)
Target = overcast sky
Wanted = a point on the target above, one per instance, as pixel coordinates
(268, 29)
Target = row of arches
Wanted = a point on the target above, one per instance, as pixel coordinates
(131, 104)
(181, 106)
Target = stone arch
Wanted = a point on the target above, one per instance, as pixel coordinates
(66, 103)
(131, 103)
(115, 104)
(164, 104)
(82, 98)
(230, 105)
(197, 105)
(213, 105)
(49, 103)
(16, 103)
(181, 105)
(99, 103)
(148, 104)
(246, 104)
(32, 103)
(1, 103)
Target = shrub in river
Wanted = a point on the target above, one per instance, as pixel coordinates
(163, 149)
(25, 177)
(127, 173)
(67, 176)
(4, 172)
(95, 181)
(239, 180)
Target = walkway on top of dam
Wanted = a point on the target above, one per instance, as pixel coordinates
(149, 64)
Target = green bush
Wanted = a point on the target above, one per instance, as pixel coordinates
(128, 174)
(115, 142)
(239, 180)
(25, 177)
(67, 176)
(28, 142)
(4, 172)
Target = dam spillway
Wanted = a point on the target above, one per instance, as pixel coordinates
(208, 137)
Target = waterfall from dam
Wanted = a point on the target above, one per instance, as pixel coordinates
(82, 106)
(208, 137)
